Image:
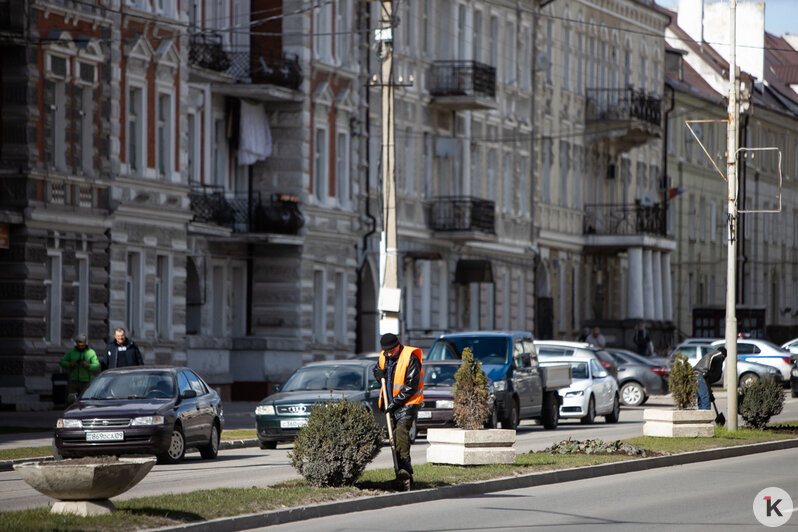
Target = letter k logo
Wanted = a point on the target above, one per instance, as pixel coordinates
(773, 506)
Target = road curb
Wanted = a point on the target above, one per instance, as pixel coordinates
(8, 465)
(288, 515)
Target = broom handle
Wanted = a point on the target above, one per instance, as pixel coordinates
(388, 421)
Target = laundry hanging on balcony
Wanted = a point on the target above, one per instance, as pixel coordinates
(255, 139)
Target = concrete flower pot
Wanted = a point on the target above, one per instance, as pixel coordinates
(471, 447)
(84, 488)
(679, 423)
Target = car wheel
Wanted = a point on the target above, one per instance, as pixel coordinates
(747, 379)
(632, 394)
(177, 447)
(493, 420)
(210, 451)
(512, 419)
(268, 445)
(615, 415)
(551, 411)
(590, 417)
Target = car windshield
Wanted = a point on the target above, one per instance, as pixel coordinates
(134, 385)
(491, 350)
(439, 374)
(325, 378)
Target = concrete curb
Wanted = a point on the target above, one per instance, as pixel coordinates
(276, 517)
(8, 465)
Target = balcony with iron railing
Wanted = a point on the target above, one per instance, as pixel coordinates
(623, 219)
(628, 117)
(462, 215)
(460, 85)
(247, 213)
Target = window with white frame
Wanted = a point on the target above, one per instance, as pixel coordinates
(526, 58)
(566, 58)
(476, 38)
(460, 38)
(591, 63)
(713, 222)
(87, 76)
(476, 171)
(408, 27)
(408, 163)
(163, 297)
(493, 41)
(53, 286)
(428, 161)
(549, 47)
(546, 177)
(58, 120)
(194, 162)
(218, 301)
(427, 27)
(342, 169)
(164, 135)
(133, 293)
(320, 165)
(136, 130)
(509, 53)
(579, 60)
(507, 182)
(523, 185)
(322, 31)
(340, 307)
(319, 307)
(492, 183)
(342, 30)
(565, 162)
(220, 152)
(81, 293)
(238, 299)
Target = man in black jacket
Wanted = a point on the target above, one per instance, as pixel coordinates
(400, 366)
(708, 370)
(122, 351)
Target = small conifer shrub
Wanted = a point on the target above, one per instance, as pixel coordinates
(761, 400)
(471, 397)
(339, 441)
(682, 383)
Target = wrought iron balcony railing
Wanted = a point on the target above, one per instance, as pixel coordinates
(280, 214)
(625, 219)
(623, 104)
(463, 78)
(272, 68)
(206, 50)
(462, 213)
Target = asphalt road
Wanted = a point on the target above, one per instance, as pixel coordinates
(716, 495)
(243, 468)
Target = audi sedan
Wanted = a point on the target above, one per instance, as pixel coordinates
(143, 410)
(280, 416)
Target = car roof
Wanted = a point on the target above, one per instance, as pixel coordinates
(565, 360)
(565, 343)
(131, 369)
(358, 362)
(502, 333)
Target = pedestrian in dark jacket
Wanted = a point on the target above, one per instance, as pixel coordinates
(641, 340)
(122, 351)
(81, 361)
(400, 366)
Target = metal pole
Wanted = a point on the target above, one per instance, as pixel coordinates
(390, 295)
(731, 259)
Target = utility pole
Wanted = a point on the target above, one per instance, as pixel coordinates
(733, 188)
(389, 302)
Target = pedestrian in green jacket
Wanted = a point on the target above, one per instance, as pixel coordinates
(82, 362)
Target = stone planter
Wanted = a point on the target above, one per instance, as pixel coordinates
(679, 423)
(471, 447)
(84, 488)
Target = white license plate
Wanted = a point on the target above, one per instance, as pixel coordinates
(105, 436)
(424, 414)
(293, 423)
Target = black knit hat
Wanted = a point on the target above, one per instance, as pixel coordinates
(388, 341)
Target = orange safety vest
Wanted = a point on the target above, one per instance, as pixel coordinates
(399, 374)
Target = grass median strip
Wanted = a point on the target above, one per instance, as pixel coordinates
(170, 510)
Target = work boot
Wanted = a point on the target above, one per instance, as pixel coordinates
(403, 480)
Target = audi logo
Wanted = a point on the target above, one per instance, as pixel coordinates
(297, 409)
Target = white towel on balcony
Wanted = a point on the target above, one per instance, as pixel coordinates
(255, 139)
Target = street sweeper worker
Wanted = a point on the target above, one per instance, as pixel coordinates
(400, 366)
(708, 370)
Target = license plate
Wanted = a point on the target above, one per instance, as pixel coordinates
(293, 423)
(105, 436)
(424, 414)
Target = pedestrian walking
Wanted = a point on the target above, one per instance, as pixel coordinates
(596, 338)
(400, 366)
(122, 351)
(82, 363)
(641, 339)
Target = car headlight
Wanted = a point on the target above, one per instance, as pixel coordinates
(446, 404)
(500, 386)
(69, 424)
(147, 420)
(577, 393)
(264, 410)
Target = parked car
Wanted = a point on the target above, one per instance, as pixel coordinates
(522, 388)
(593, 390)
(279, 416)
(145, 410)
(763, 352)
(639, 376)
(438, 408)
(748, 372)
(564, 349)
(791, 346)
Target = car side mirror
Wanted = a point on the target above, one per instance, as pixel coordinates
(188, 394)
(277, 387)
(601, 374)
(374, 385)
